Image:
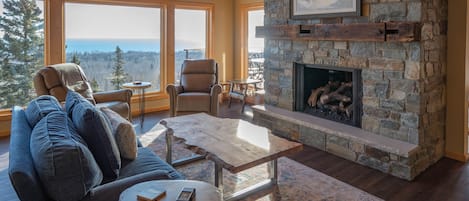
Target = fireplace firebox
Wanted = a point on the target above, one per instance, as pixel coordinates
(329, 92)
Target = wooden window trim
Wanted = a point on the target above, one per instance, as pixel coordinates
(208, 7)
(54, 36)
(243, 33)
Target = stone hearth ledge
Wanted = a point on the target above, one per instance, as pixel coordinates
(388, 155)
(397, 147)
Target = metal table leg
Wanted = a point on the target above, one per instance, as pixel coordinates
(261, 186)
(142, 107)
(169, 145)
(219, 177)
(169, 151)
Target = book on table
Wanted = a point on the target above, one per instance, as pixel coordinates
(151, 194)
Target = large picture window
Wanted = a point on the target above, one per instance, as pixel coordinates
(114, 44)
(21, 50)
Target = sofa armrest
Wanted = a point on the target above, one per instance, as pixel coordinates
(21, 166)
(112, 190)
(123, 95)
(173, 91)
(215, 91)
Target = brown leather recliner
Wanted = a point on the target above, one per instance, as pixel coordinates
(57, 79)
(198, 91)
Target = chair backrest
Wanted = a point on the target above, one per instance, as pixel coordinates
(199, 75)
(57, 79)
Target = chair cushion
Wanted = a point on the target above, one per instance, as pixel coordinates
(193, 102)
(65, 166)
(96, 131)
(197, 82)
(124, 134)
(145, 162)
(40, 107)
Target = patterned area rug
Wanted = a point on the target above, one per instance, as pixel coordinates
(296, 181)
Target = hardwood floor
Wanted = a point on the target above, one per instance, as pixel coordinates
(447, 180)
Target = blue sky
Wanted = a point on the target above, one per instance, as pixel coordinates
(90, 21)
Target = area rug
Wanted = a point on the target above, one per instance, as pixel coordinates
(296, 181)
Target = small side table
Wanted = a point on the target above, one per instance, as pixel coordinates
(239, 88)
(139, 86)
(203, 191)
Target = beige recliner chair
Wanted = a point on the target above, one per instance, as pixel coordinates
(57, 79)
(198, 91)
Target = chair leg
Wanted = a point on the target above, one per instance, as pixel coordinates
(229, 103)
(242, 107)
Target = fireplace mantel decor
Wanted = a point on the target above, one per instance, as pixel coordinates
(305, 9)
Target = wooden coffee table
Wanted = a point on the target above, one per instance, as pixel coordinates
(203, 191)
(232, 144)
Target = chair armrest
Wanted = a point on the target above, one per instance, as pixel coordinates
(215, 91)
(123, 95)
(112, 190)
(173, 91)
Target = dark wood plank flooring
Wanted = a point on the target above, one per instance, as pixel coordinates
(447, 180)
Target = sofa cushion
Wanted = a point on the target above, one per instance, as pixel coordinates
(40, 107)
(95, 130)
(124, 134)
(145, 162)
(65, 166)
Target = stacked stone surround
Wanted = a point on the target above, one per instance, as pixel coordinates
(403, 82)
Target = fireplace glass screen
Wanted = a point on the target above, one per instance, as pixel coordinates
(329, 92)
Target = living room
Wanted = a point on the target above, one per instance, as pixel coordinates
(399, 132)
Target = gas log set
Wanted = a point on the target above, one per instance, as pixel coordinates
(333, 99)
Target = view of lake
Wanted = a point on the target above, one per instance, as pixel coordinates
(109, 45)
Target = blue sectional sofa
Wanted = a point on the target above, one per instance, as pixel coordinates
(29, 186)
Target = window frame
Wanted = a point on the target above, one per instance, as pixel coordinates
(208, 8)
(54, 40)
(167, 35)
(244, 31)
(5, 113)
(155, 95)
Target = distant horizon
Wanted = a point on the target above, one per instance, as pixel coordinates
(125, 44)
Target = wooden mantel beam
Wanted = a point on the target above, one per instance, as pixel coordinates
(379, 32)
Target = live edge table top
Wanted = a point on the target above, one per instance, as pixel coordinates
(233, 143)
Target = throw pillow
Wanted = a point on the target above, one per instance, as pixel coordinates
(66, 168)
(124, 134)
(40, 107)
(95, 130)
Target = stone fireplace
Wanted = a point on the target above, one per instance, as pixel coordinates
(329, 92)
(397, 124)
